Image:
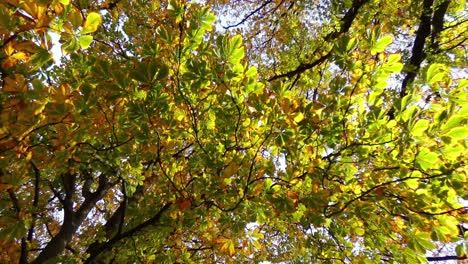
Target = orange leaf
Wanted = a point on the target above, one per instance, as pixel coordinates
(184, 204)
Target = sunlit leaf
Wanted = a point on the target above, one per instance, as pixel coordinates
(85, 41)
(457, 133)
(381, 44)
(93, 20)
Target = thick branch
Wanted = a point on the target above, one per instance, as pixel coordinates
(417, 53)
(95, 250)
(72, 220)
(347, 20)
(301, 68)
(444, 258)
(29, 237)
(438, 23)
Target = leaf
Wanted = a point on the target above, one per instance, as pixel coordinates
(393, 63)
(421, 242)
(15, 229)
(299, 117)
(75, 17)
(236, 50)
(85, 41)
(460, 250)
(381, 44)
(93, 20)
(427, 158)
(70, 45)
(453, 121)
(419, 128)
(359, 231)
(457, 133)
(412, 183)
(41, 58)
(176, 10)
(435, 73)
(207, 20)
(228, 246)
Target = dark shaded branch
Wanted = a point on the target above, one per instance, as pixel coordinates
(24, 245)
(346, 23)
(72, 220)
(37, 177)
(114, 224)
(347, 20)
(462, 210)
(301, 68)
(444, 258)
(377, 186)
(24, 241)
(417, 53)
(438, 23)
(249, 15)
(95, 250)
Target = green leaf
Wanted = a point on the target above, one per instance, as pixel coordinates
(176, 10)
(235, 49)
(420, 127)
(412, 183)
(460, 250)
(359, 231)
(85, 41)
(351, 44)
(435, 73)
(421, 242)
(40, 58)
(427, 158)
(457, 133)
(15, 228)
(208, 18)
(93, 20)
(251, 72)
(453, 121)
(394, 58)
(397, 67)
(140, 95)
(381, 44)
(71, 45)
(393, 63)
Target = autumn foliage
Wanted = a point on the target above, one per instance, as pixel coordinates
(233, 131)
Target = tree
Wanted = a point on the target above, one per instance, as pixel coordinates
(304, 131)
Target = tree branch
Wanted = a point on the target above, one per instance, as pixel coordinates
(417, 53)
(95, 250)
(72, 220)
(438, 24)
(444, 258)
(346, 23)
(249, 15)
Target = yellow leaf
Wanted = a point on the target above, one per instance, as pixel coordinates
(20, 56)
(230, 170)
(228, 247)
(9, 48)
(92, 23)
(299, 117)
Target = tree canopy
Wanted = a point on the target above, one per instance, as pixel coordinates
(233, 131)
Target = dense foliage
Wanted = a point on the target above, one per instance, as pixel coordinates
(296, 131)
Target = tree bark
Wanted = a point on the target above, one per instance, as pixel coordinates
(417, 53)
(72, 220)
